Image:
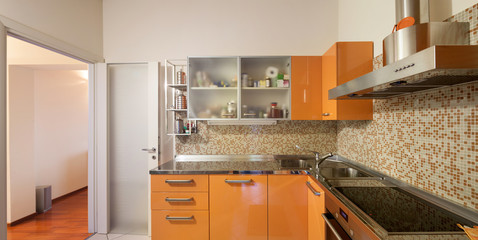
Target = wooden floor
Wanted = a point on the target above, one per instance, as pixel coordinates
(68, 219)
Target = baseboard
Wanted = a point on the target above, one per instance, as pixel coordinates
(67, 195)
(23, 219)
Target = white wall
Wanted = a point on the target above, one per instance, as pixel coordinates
(373, 20)
(61, 130)
(48, 134)
(77, 22)
(20, 197)
(154, 30)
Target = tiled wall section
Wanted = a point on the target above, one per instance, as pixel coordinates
(428, 139)
(275, 139)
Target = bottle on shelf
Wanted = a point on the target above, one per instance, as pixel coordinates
(181, 77)
(179, 126)
(181, 102)
(275, 112)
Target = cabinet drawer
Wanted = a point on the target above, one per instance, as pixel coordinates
(180, 200)
(179, 183)
(180, 225)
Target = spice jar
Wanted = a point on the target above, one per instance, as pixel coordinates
(275, 112)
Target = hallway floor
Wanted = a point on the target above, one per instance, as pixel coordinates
(68, 219)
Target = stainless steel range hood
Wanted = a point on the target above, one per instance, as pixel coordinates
(419, 57)
(433, 67)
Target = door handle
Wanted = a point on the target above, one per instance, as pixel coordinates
(312, 189)
(178, 181)
(179, 218)
(149, 150)
(329, 224)
(238, 181)
(178, 199)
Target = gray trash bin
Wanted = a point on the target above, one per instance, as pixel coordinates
(43, 198)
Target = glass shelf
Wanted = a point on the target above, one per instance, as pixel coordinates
(213, 88)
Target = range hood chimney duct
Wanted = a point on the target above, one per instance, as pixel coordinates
(418, 9)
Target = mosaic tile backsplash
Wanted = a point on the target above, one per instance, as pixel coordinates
(428, 139)
(274, 139)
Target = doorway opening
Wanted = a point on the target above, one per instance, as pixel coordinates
(47, 134)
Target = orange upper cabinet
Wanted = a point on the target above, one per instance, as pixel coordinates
(287, 207)
(306, 99)
(343, 62)
(238, 207)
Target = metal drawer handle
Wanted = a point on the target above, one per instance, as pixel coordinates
(325, 114)
(312, 189)
(179, 218)
(238, 181)
(331, 226)
(178, 181)
(249, 114)
(178, 199)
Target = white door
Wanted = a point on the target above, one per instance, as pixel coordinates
(133, 137)
(3, 132)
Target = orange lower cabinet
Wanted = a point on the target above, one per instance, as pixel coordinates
(180, 225)
(179, 200)
(238, 207)
(316, 206)
(287, 202)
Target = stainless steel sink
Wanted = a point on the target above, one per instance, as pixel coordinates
(295, 164)
(334, 173)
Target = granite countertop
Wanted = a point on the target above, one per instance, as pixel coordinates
(233, 164)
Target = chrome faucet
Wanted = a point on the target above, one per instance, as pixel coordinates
(318, 158)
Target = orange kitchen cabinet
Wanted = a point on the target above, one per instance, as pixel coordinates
(179, 207)
(316, 207)
(287, 207)
(343, 62)
(180, 200)
(179, 183)
(238, 207)
(179, 225)
(306, 98)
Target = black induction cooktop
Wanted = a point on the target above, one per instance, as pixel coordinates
(399, 211)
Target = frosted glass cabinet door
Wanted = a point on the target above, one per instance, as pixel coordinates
(265, 80)
(213, 88)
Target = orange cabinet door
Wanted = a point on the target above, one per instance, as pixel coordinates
(238, 207)
(306, 99)
(287, 207)
(179, 183)
(343, 62)
(316, 206)
(179, 225)
(180, 200)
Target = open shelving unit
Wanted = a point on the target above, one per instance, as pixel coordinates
(171, 88)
